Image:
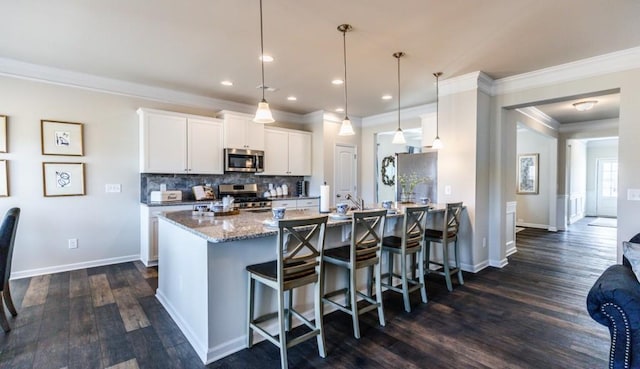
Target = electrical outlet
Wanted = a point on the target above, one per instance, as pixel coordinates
(73, 243)
(447, 190)
(633, 194)
(112, 188)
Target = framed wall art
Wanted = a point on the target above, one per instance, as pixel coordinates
(528, 174)
(61, 138)
(3, 133)
(4, 182)
(63, 179)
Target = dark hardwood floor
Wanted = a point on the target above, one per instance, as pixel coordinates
(529, 314)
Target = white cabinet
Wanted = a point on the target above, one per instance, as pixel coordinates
(149, 230)
(296, 203)
(240, 132)
(288, 152)
(180, 143)
(289, 204)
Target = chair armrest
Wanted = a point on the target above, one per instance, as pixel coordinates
(619, 286)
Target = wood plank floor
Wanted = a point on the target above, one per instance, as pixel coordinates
(530, 314)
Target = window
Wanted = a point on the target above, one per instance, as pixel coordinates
(609, 179)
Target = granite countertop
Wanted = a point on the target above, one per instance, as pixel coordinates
(192, 202)
(246, 225)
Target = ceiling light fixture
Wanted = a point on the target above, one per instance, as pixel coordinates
(226, 83)
(263, 114)
(437, 143)
(346, 129)
(266, 58)
(292, 98)
(585, 105)
(339, 110)
(398, 138)
(387, 97)
(337, 82)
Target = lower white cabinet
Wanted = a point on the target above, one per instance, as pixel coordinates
(297, 204)
(149, 230)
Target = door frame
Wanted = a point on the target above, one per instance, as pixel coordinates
(335, 170)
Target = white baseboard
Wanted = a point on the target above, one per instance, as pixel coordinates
(67, 267)
(474, 268)
(511, 251)
(499, 263)
(533, 225)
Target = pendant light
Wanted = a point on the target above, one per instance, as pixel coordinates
(346, 129)
(398, 138)
(263, 114)
(437, 143)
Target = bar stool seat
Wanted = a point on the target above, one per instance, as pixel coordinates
(410, 244)
(444, 236)
(362, 252)
(300, 244)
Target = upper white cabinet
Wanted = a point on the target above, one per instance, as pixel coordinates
(180, 143)
(288, 152)
(240, 132)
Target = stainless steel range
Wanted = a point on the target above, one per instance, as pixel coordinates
(245, 196)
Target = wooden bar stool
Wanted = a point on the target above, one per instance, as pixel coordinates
(444, 236)
(364, 251)
(7, 239)
(410, 244)
(300, 244)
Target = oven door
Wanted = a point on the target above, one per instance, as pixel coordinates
(240, 160)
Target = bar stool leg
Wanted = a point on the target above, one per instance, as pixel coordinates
(7, 299)
(250, 312)
(390, 266)
(405, 284)
(283, 334)
(455, 245)
(319, 310)
(423, 285)
(289, 300)
(378, 272)
(445, 264)
(427, 257)
(354, 303)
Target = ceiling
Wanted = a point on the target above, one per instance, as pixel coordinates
(191, 46)
(563, 112)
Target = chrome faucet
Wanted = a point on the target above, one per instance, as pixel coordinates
(358, 202)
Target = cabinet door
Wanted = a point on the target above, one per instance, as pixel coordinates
(312, 204)
(289, 204)
(205, 146)
(163, 143)
(255, 135)
(235, 132)
(299, 154)
(276, 157)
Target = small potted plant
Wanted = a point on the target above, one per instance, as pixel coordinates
(408, 183)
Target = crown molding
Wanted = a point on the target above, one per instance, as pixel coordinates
(591, 125)
(392, 116)
(540, 117)
(466, 82)
(62, 77)
(598, 65)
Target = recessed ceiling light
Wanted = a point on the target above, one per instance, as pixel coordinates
(226, 83)
(585, 105)
(266, 58)
(387, 97)
(292, 98)
(337, 81)
(339, 110)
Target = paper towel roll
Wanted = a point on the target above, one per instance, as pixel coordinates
(325, 194)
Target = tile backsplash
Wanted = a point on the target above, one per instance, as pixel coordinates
(183, 182)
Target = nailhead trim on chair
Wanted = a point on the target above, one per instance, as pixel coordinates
(615, 331)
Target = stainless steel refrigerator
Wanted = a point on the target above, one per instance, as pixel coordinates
(423, 165)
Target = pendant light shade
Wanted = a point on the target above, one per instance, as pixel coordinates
(437, 143)
(346, 129)
(398, 138)
(263, 114)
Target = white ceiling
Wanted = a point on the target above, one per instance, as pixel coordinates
(191, 46)
(563, 112)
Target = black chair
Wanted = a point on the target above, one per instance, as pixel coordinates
(7, 238)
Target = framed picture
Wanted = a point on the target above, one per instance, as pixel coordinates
(61, 138)
(3, 133)
(4, 183)
(527, 174)
(63, 179)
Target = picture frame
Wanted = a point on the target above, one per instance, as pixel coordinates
(63, 179)
(4, 179)
(61, 138)
(528, 172)
(3, 133)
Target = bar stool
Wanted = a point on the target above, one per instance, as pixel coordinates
(448, 233)
(364, 251)
(411, 243)
(7, 240)
(300, 245)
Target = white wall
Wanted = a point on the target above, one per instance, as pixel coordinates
(597, 149)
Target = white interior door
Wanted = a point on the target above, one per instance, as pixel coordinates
(344, 172)
(607, 188)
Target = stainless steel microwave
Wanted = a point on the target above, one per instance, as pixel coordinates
(242, 160)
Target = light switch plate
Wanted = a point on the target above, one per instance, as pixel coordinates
(447, 190)
(112, 188)
(633, 194)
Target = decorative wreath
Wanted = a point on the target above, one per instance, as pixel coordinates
(387, 162)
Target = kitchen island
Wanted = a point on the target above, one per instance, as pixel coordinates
(202, 278)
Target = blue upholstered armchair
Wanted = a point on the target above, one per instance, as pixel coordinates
(614, 301)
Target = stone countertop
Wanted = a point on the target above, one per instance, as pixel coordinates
(193, 202)
(246, 225)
